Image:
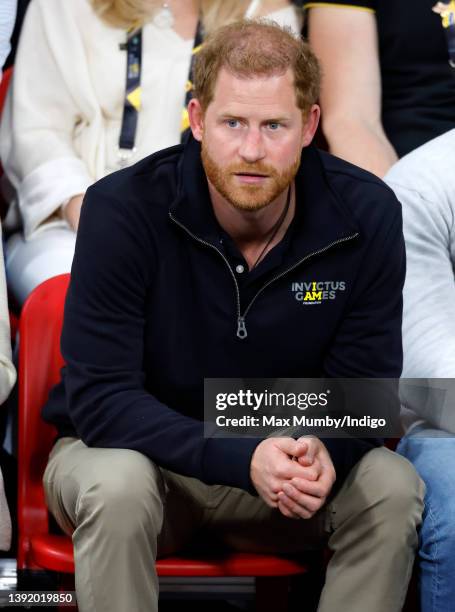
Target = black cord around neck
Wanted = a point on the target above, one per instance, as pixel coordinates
(275, 229)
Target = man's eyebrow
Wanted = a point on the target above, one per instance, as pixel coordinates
(268, 120)
(231, 116)
(276, 120)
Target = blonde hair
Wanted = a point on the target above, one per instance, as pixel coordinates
(250, 48)
(129, 14)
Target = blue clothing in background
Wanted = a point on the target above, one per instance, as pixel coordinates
(7, 18)
(432, 452)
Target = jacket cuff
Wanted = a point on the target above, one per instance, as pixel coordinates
(43, 191)
(227, 461)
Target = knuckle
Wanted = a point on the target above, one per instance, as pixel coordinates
(275, 487)
(280, 472)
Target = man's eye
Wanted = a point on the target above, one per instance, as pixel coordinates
(232, 123)
(274, 125)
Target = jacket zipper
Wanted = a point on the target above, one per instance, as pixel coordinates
(242, 332)
(237, 291)
(272, 280)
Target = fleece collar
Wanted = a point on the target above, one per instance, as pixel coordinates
(321, 218)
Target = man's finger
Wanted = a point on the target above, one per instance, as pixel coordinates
(304, 460)
(314, 488)
(313, 471)
(286, 512)
(296, 510)
(289, 446)
(308, 502)
(286, 470)
(313, 445)
(301, 448)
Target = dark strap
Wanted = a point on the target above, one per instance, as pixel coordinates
(198, 40)
(132, 104)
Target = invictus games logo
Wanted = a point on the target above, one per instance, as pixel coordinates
(316, 292)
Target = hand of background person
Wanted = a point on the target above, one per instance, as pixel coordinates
(273, 465)
(302, 497)
(72, 211)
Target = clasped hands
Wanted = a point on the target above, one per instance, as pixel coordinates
(295, 476)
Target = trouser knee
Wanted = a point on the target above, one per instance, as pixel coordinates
(383, 494)
(127, 501)
(392, 490)
(116, 491)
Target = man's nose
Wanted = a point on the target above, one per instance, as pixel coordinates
(252, 146)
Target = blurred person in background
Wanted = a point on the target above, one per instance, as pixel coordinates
(7, 380)
(7, 371)
(424, 182)
(73, 116)
(389, 76)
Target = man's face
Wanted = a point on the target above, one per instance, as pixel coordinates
(252, 136)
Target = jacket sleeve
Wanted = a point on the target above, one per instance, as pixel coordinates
(103, 346)
(41, 115)
(429, 301)
(368, 341)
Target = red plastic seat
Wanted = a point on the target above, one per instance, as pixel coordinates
(40, 361)
(4, 86)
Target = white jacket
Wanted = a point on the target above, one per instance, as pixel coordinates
(61, 124)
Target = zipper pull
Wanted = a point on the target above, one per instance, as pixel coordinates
(241, 328)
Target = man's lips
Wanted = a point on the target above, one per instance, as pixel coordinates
(251, 177)
(251, 174)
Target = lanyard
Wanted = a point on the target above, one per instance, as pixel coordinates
(198, 39)
(132, 103)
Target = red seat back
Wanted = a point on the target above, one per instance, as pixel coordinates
(40, 362)
(4, 87)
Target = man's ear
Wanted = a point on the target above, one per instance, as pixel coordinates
(196, 117)
(310, 125)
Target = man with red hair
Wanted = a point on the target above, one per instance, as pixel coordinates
(184, 269)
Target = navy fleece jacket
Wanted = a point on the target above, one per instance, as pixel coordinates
(154, 307)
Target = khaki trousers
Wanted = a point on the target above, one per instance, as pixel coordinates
(123, 511)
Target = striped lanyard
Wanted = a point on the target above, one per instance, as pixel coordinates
(133, 95)
(197, 45)
(133, 92)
